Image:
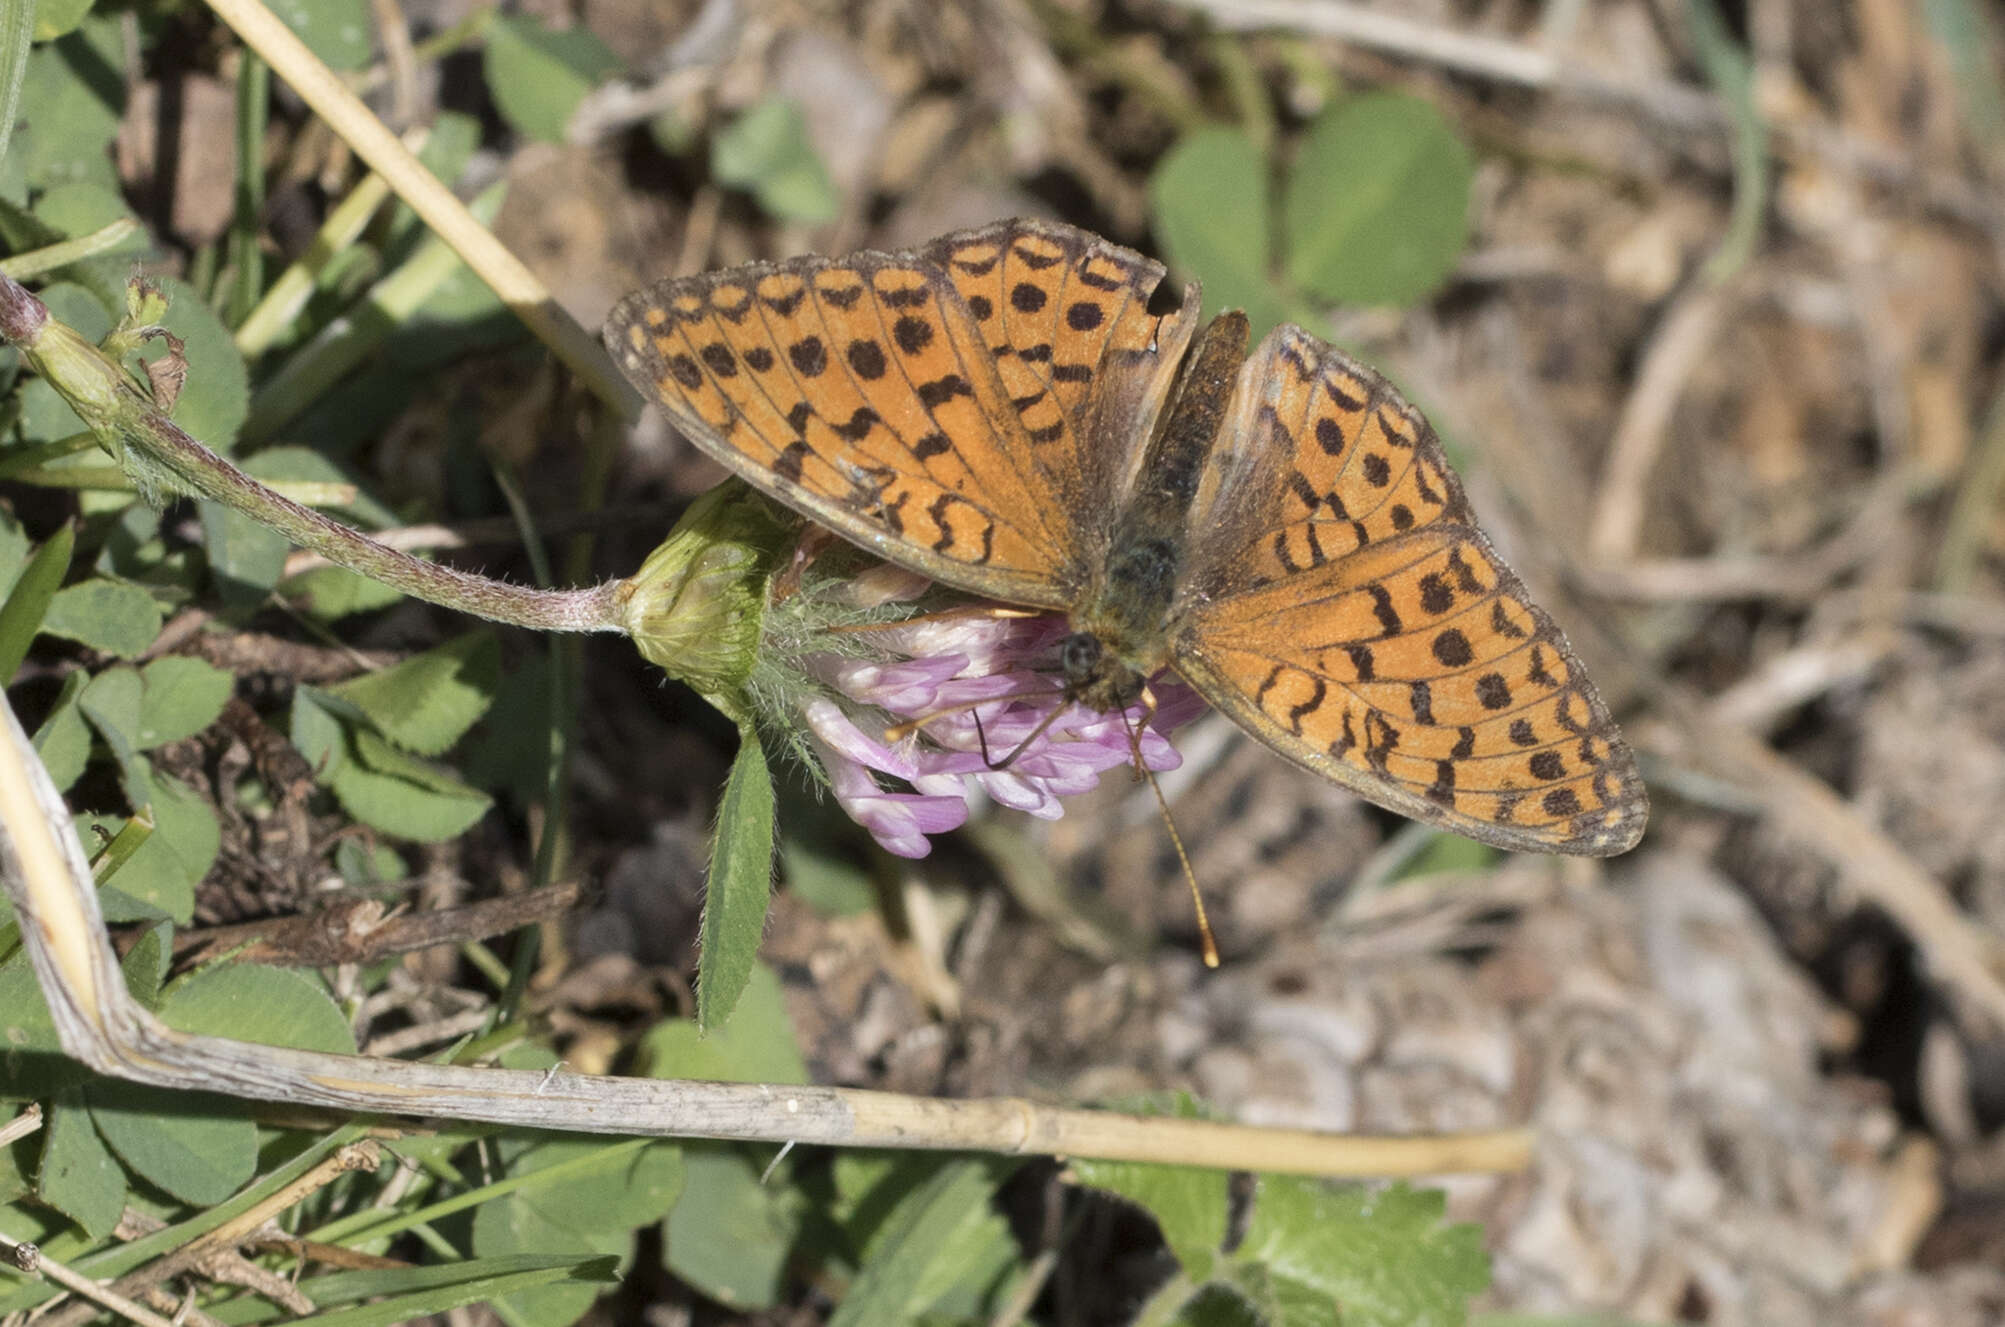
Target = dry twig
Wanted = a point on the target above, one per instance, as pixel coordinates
(101, 1024)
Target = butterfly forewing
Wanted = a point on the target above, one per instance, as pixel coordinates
(1343, 607)
(1086, 364)
(862, 393)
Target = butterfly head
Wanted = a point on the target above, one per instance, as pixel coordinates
(1096, 676)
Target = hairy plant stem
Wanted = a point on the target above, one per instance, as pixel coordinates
(155, 450)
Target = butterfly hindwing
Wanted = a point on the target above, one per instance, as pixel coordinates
(1343, 607)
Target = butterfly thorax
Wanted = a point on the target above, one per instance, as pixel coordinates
(1121, 632)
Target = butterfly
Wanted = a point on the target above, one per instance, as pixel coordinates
(1023, 412)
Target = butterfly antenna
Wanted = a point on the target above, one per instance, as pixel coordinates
(1043, 725)
(1207, 941)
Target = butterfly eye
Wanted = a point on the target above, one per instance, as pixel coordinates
(1079, 655)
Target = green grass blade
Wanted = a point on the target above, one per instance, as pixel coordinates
(21, 616)
(17, 30)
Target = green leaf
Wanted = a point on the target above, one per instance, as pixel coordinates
(1376, 210)
(1446, 853)
(1553, 1320)
(305, 466)
(78, 1176)
(182, 697)
(250, 1002)
(121, 909)
(427, 702)
(246, 557)
(537, 77)
(34, 1065)
(64, 740)
(217, 397)
(874, 1193)
(134, 550)
(829, 885)
(329, 594)
(368, 864)
(83, 206)
(145, 964)
(407, 1294)
(1964, 32)
(401, 794)
(741, 883)
(112, 701)
(388, 322)
(730, 1234)
(755, 1046)
(317, 734)
(1272, 1300)
(71, 98)
(1382, 1253)
(56, 18)
(199, 1148)
(935, 1235)
(335, 30)
(369, 751)
(155, 874)
(27, 605)
(767, 152)
(608, 1190)
(511, 750)
(186, 826)
(14, 1185)
(13, 552)
(504, 1228)
(1217, 1305)
(450, 145)
(116, 617)
(1209, 197)
(868, 1184)
(1189, 1203)
(604, 1184)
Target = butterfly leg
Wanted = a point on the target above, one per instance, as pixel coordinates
(1147, 700)
(1023, 746)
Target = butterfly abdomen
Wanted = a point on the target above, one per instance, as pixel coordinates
(1167, 481)
(1129, 603)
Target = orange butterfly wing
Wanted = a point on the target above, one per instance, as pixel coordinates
(1086, 364)
(913, 401)
(1342, 606)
